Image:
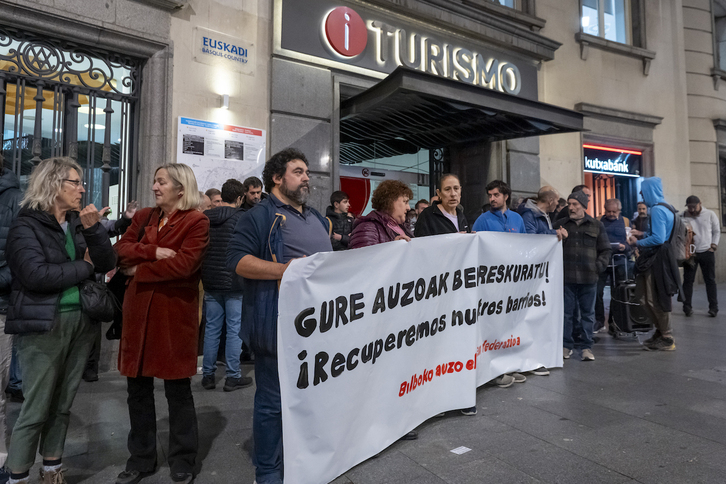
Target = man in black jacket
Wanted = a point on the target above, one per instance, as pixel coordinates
(340, 219)
(252, 192)
(223, 292)
(10, 196)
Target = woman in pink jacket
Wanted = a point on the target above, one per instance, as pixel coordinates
(387, 220)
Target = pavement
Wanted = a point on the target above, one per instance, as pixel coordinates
(629, 416)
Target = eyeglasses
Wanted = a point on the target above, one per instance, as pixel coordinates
(76, 183)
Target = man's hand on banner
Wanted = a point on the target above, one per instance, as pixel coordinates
(285, 266)
(403, 237)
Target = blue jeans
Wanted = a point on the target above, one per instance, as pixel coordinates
(267, 421)
(221, 307)
(15, 382)
(578, 330)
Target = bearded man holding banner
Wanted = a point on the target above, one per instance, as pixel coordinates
(266, 239)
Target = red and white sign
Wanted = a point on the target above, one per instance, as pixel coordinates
(346, 32)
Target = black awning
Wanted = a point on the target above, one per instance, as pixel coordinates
(411, 108)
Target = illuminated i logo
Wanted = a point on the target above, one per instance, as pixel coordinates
(346, 32)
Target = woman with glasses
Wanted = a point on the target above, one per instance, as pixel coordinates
(51, 249)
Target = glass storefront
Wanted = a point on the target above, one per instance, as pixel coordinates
(612, 172)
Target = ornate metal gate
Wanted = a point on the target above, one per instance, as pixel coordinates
(58, 98)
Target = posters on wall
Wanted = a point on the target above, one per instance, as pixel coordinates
(374, 341)
(217, 152)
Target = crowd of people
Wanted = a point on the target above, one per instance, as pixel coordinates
(238, 241)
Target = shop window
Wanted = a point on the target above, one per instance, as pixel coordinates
(508, 3)
(609, 19)
(364, 167)
(525, 6)
(719, 23)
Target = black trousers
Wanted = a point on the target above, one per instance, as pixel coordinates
(183, 432)
(95, 356)
(707, 261)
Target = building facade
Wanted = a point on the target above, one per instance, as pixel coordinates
(600, 92)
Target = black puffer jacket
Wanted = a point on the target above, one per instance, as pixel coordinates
(42, 269)
(215, 276)
(10, 196)
(343, 225)
(433, 222)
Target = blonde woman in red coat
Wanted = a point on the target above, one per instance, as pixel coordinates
(160, 321)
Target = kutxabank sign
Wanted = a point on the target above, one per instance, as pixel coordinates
(612, 161)
(351, 35)
(374, 341)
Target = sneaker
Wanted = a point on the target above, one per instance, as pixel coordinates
(90, 375)
(185, 477)
(566, 353)
(232, 384)
(412, 435)
(688, 312)
(469, 411)
(131, 477)
(587, 355)
(666, 343)
(52, 477)
(713, 312)
(541, 371)
(504, 381)
(656, 336)
(518, 377)
(209, 382)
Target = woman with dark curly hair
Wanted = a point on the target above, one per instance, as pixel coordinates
(387, 221)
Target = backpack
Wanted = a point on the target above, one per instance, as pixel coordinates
(681, 239)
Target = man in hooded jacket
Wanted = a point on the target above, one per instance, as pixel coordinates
(657, 278)
(535, 213)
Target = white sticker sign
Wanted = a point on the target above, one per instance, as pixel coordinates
(217, 152)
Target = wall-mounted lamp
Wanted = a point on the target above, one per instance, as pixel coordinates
(225, 101)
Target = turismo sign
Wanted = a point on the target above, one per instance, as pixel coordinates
(349, 35)
(612, 161)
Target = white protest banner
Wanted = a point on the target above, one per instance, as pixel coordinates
(373, 341)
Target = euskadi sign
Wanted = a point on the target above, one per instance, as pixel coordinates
(373, 341)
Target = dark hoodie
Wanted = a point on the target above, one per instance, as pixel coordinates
(343, 225)
(10, 196)
(215, 276)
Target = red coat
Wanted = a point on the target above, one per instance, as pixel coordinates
(161, 305)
